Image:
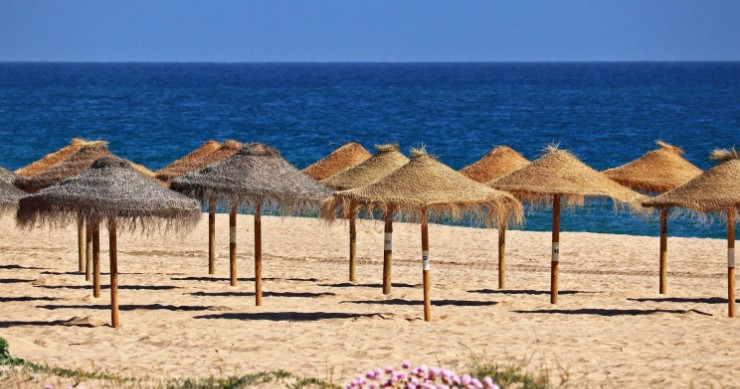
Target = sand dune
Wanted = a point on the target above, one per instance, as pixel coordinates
(610, 328)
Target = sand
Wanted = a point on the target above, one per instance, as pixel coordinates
(610, 328)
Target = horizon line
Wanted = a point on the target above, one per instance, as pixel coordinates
(367, 62)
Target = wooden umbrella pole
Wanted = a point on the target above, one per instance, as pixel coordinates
(115, 323)
(81, 243)
(352, 245)
(501, 254)
(663, 249)
(731, 262)
(96, 259)
(257, 253)
(425, 264)
(555, 249)
(211, 235)
(88, 251)
(232, 242)
(388, 252)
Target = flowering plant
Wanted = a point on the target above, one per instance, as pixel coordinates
(421, 377)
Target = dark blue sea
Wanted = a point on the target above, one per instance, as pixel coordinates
(606, 113)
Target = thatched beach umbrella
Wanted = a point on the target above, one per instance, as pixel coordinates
(424, 189)
(657, 171)
(559, 177)
(9, 196)
(715, 190)
(386, 160)
(497, 163)
(259, 178)
(110, 191)
(341, 159)
(201, 158)
(54, 158)
(7, 176)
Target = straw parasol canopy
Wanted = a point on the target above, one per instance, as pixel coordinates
(386, 160)
(716, 190)
(341, 159)
(54, 158)
(657, 171)
(110, 190)
(259, 178)
(224, 151)
(180, 167)
(7, 176)
(497, 163)
(426, 189)
(9, 196)
(559, 177)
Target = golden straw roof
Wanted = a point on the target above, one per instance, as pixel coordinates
(54, 158)
(559, 172)
(715, 190)
(426, 183)
(385, 161)
(657, 171)
(341, 159)
(497, 163)
(175, 169)
(226, 150)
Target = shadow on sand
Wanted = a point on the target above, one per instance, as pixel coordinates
(436, 303)
(223, 279)
(524, 291)
(124, 287)
(289, 316)
(26, 298)
(706, 300)
(134, 307)
(614, 312)
(15, 280)
(266, 294)
(349, 285)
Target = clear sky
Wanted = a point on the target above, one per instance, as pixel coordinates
(371, 30)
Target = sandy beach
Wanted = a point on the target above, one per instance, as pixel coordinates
(610, 328)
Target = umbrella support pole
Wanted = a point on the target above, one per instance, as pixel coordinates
(352, 247)
(388, 252)
(232, 243)
(88, 251)
(425, 265)
(211, 236)
(257, 254)
(663, 249)
(501, 255)
(96, 260)
(81, 243)
(115, 323)
(731, 262)
(555, 249)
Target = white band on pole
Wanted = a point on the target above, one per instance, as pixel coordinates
(556, 251)
(425, 260)
(232, 232)
(731, 257)
(388, 241)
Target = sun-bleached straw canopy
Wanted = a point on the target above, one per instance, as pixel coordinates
(386, 159)
(7, 176)
(558, 172)
(715, 190)
(183, 165)
(54, 158)
(426, 183)
(341, 159)
(9, 196)
(257, 173)
(657, 171)
(226, 150)
(497, 163)
(109, 187)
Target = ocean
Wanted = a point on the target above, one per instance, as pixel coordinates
(607, 114)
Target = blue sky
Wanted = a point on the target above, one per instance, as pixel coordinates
(380, 30)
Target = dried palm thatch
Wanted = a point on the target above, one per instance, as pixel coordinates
(341, 159)
(225, 150)
(256, 173)
(9, 196)
(657, 171)
(558, 172)
(175, 169)
(109, 187)
(558, 177)
(110, 190)
(7, 176)
(54, 158)
(497, 163)
(425, 188)
(715, 190)
(386, 160)
(70, 167)
(142, 169)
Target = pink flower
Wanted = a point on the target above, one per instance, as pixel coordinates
(406, 365)
(48, 386)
